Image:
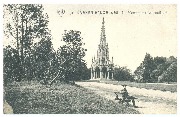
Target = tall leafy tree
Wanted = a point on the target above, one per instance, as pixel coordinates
(149, 66)
(122, 74)
(169, 71)
(159, 67)
(145, 69)
(44, 60)
(24, 23)
(71, 55)
(139, 73)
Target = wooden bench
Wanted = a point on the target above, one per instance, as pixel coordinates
(117, 95)
(127, 100)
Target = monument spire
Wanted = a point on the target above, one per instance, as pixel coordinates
(103, 35)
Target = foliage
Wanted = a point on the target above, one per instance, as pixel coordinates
(157, 69)
(148, 66)
(33, 60)
(59, 99)
(139, 73)
(170, 74)
(10, 65)
(72, 53)
(122, 74)
(86, 73)
(25, 23)
(37, 60)
(45, 60)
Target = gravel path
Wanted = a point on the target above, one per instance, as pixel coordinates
(148, 102)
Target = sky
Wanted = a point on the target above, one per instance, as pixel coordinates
(131, 30)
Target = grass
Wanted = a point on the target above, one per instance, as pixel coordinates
(154, 86)
(34, 98)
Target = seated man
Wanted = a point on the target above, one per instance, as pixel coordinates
(124, 94)
(126, 98)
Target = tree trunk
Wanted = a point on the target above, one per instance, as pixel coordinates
(22, 31)
(17, 38)
(22, 54)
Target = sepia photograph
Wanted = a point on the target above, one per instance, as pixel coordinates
(89, 58)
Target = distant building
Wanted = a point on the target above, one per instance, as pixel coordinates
(102, 67)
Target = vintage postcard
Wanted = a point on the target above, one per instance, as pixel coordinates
(90, 59)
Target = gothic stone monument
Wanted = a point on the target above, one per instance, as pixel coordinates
(102, 67)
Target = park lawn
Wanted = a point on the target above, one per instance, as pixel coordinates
(60, 98)
(154, 86)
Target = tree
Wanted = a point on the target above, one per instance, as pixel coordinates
(25, 22)
(44, 57)
(169, 72)
(122, 74)
(157, 69)
(139, 73)
(85, 73)
(159, 60)
(10, 65)
(149, 66)
(143, 72)
(71, 55)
